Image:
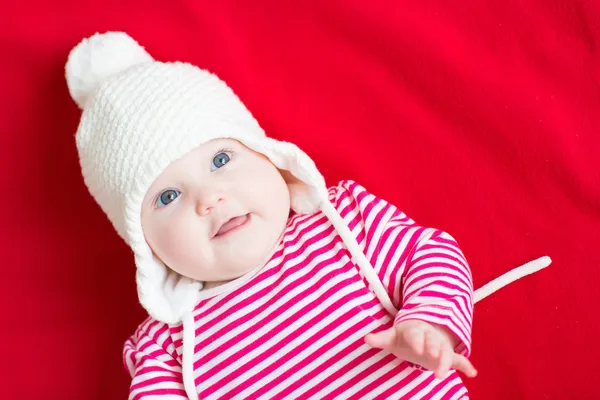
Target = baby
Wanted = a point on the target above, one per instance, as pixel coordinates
(260, 282)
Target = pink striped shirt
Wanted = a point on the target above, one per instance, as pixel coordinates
(295, 328)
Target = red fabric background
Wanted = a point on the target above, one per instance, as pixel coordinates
(480, 118)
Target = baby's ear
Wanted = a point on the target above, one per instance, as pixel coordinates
(288, 177)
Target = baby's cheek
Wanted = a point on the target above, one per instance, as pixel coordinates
(178, 244)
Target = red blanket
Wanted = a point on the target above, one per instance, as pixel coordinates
(479, 118)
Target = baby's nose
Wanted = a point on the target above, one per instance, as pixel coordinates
(207, 202)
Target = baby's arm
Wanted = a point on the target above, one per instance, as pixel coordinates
(433, 326)
(423, 270)
(155, 372)
(437, 288)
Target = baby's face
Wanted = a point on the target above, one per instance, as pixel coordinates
(216, 213)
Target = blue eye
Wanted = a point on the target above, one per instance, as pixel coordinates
(220, 160)
(167, 197)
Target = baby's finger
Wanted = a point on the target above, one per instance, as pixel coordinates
(461, 363)
(381, 340)
(415, 339)
(445, 363)
(432, 345)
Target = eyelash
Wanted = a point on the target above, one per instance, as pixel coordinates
(228, 151)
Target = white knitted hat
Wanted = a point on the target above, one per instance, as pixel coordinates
(139, 116)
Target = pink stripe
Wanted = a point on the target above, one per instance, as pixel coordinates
(251, 315)
(328, 377)
(147, 370)
(385, 378)
(252, 346)
(434, 253)
(145, 357)
(277, 346)
(160, 392)
(283, 371)
(304, 234)
(267, 290)
(130, 352)
(358, 192)
(147, 343)
(430, 249)
(406, 253)
(159, 332)
(325, 369)
(353, 222)
(428, 315)
(316, 370)
(154, 381)
(415, 391)
(143, 328)
(368, 210)
(437, 264)
(424, 291)
(450, 247)
(372, 244)
(457, 308)
(449, 241)
(149, 327)
(363, 375)
(381, 267)
(299, 256)
(446, 281)
(438, 319)
(343, 197)
(450, 394)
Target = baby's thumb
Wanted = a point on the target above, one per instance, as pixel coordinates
(381, 340)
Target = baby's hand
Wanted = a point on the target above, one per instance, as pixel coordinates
(430, 346)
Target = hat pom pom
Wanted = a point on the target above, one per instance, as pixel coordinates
(97, 58)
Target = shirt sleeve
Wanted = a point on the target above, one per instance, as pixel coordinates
(155, 371)
(423, 269)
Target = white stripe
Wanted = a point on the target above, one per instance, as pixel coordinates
(430, 303)
(399, 252)
(302, 229)
(443, 391)
(376, 235)
(153, 347)
(432, 284)
(407, 386)
(129, 349)
(150, 362)
(155, 386)
(439, 321)
(260, 318)
(448, 249)
(293, 345)
(460, 269)
(443, 273)
(334, 385)
(335, 348)
(382, 370)
(231, 311)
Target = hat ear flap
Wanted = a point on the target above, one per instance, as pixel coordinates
(303, 198)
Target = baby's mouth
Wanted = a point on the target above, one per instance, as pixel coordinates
(232, 225)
